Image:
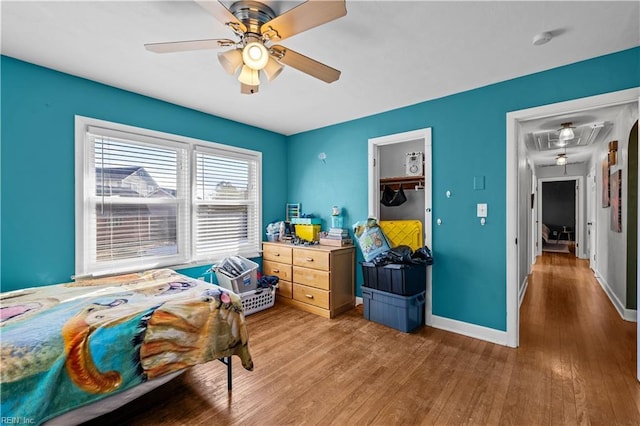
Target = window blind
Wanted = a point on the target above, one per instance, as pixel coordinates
(147, 199)
(137, 205)
(226, 204)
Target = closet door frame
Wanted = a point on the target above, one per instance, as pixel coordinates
(374, 190)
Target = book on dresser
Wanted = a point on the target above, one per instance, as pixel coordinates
(337, 233)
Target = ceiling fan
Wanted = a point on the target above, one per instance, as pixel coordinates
(257, 27)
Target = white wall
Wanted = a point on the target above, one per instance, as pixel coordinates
(573, 169)
(611, 247)
(392, 164)
(525, 176)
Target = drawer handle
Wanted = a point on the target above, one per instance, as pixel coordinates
(309, 296)
(309, 259)
(276, 254)
(276, 270)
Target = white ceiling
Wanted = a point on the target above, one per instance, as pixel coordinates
(592, 128)
(391, 53)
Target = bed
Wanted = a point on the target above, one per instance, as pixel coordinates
(71, 345)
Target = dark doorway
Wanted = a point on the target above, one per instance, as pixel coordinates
(559, 209)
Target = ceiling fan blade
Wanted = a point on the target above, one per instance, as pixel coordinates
(183, 46)
(222, 14)
(303, 17)
(305, 64)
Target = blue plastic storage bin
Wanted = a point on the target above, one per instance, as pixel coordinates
(404, 313)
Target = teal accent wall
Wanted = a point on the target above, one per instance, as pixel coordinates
(38, 106)
(469, 139)
(469, 136)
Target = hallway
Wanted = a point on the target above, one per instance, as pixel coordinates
(571, 333)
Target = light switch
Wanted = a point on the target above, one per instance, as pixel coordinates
(482, 209)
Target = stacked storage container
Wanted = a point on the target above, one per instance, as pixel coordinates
(394, 294)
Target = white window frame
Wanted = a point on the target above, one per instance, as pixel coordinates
(85, 184)
(254, 227)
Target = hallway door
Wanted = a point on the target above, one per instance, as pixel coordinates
(591, 219)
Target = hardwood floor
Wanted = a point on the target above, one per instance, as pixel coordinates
(576, 365)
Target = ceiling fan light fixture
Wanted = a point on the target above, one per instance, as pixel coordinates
(249, 76)
(566, 132)
(272, 69)
(249, 90)
(561, 159)
(231, 60)
(255, 55)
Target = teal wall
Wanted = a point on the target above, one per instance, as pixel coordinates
(469, 128)
(469, 138)
(38, 106)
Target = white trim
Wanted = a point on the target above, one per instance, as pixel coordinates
(84, 175)
(523, 289)
(359, 301)
(626, 314)
(513, 310)
(637, 274)
(513, 119)
(374, 190)
(470, 330)
(116, 128)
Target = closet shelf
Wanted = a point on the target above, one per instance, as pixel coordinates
(407, 182)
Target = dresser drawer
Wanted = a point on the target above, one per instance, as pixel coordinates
(281, 270)
(310, 295)
(276, 253)
(311, 258)
(285, 289)
(311, 277)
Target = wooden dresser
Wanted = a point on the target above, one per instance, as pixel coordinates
(317, 279)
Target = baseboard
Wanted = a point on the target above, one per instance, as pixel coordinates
(626, 314)
(470, 330)
(523, 289)
(359, 301)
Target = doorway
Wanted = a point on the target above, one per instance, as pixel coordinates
(380, 145)
(515, 195)
(561, 221)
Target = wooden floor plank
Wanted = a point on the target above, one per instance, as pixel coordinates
(575, 365)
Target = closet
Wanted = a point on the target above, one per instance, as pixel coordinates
(392, 161)
(396, 163)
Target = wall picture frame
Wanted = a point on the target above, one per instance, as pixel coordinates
(616, 201)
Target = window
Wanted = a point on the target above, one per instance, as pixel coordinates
(146, 199)
(225, 207)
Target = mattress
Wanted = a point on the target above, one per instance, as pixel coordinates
(69, 345)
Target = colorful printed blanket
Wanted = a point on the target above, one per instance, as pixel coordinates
(67, 345)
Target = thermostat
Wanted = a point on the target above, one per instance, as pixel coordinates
(414, 164)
